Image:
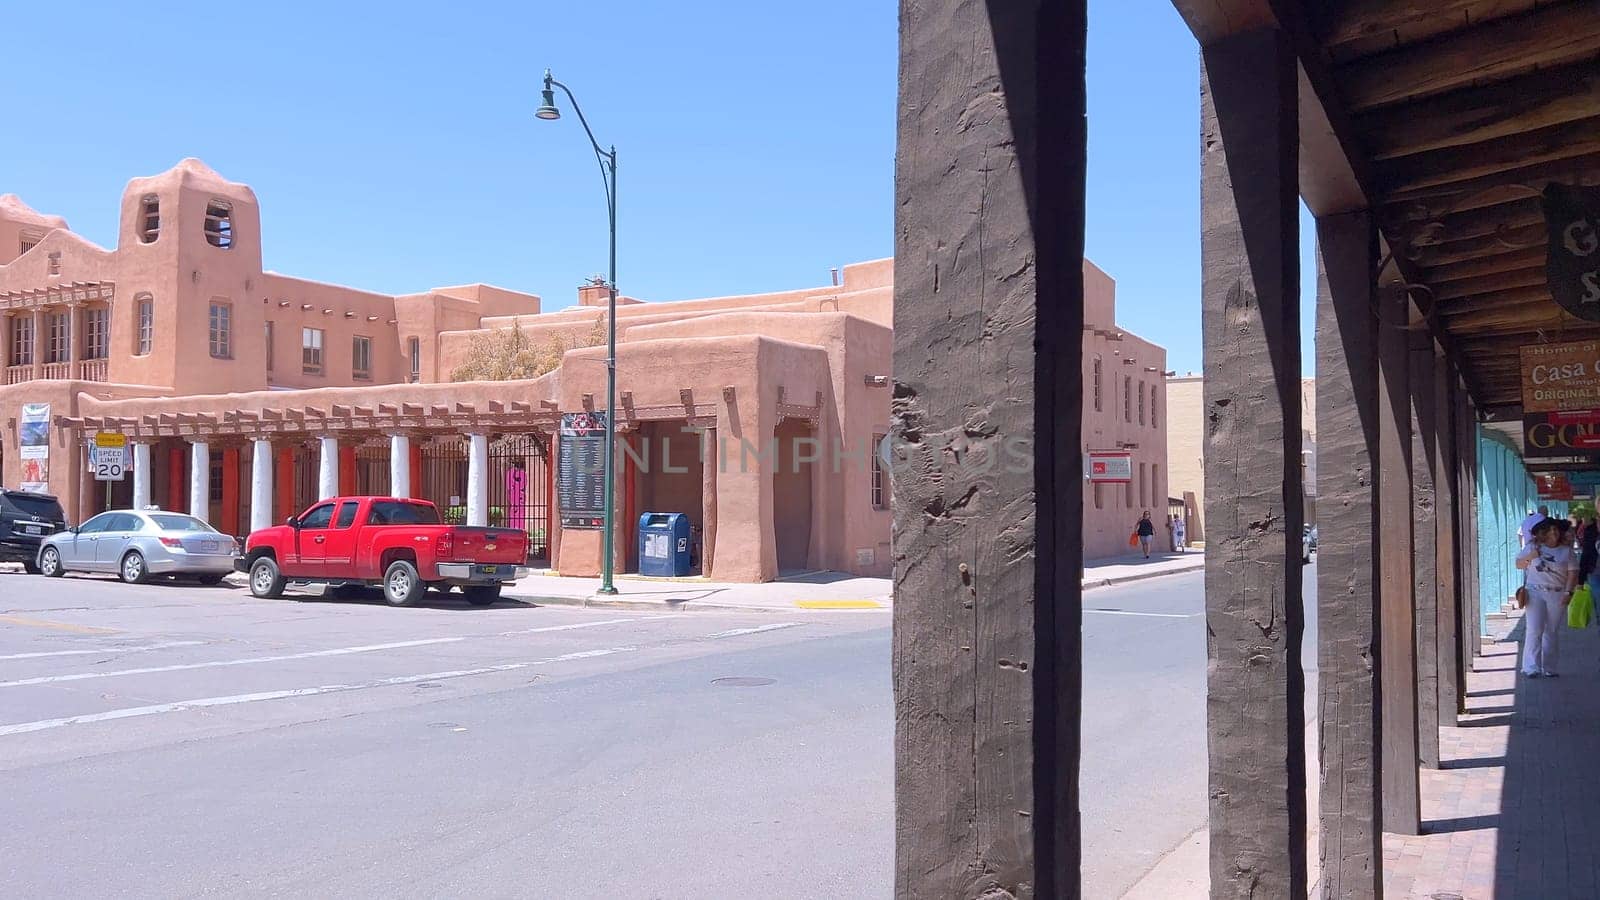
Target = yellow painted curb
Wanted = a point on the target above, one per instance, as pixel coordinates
(838, 604)
(57, 626)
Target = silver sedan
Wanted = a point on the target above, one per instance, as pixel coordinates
(139, 544)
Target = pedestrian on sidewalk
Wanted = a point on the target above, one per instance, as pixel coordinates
(1525, 531)
(1550, 571)
(1588, 554)
(1180, 534)
(1146, 530)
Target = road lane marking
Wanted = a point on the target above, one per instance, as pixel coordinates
(246, 661)
(577, 625)
(103, 650)
(1129, 612)
(236, 699)
(57, 626)
(736, 632)
(838, 604)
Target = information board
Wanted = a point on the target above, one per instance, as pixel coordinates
(580, 470)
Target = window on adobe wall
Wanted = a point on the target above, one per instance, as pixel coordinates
(144, 334)
(55, 263)
(415, 351)
(149, 220)
(29, 241)
(269, 346)
(361, 357)
(58, 336)
(880, 493)
(215, 479)
(219, 224)
(1152, 406)
(1127, 399)
(1098, 502)
(1144, 486)
(22, 340)
(311, 351)
(1141, 403)
(221, 330)
(96, 333)
(1099, 367)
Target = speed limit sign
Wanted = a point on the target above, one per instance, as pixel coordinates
(108, 465)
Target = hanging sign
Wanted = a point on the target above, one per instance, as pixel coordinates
(1108, 466)
(1572, 265)
(1554, 486)
(1561, 398)
(33, 440)
(580, 470)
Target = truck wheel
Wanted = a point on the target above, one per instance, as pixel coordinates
(50, 563)
(133, 569)
(482, 594)
(402, 585)
(266, 581)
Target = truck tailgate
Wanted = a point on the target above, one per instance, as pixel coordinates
(489, 545)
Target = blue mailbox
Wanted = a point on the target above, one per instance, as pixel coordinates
(664, 544)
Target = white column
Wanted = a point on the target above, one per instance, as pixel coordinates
(260, 484)
(477, 479)
(328, 469)
(141, 476)
(399, 465)
(200, 480)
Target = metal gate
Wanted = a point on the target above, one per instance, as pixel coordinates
(372, 470)
(444, 477)
(307, 477)
(519, 487)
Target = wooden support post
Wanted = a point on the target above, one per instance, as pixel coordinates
(1347, 576)
(1424, 561)
(988, 296)
(177, 478)
(1446, 545)
(1250, 323)
(1474, 598)
(1397, 653)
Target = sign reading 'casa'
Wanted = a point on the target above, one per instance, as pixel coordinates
(1561, 398)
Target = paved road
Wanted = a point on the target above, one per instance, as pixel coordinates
(350, 749)
(170, 740)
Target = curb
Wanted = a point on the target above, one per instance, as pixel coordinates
(597, 602)
(1141, 576)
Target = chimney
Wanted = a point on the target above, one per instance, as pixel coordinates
(594, 292)
(834, 272)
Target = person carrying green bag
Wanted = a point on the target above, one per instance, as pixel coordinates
(1581, 609)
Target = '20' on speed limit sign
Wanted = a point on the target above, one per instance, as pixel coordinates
(108, 464)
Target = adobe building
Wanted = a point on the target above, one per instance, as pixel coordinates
(246, 395)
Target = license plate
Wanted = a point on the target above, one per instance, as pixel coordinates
(208, 546)
(489, 570)
(33, 529)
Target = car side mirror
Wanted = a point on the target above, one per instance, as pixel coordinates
(73, 529)
(292, 522)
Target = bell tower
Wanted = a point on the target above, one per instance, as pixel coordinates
(187, 314)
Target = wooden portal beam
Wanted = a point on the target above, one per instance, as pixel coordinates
(1351, 848)
(1250, 326)
(1424, 551)
(1489, 263)
(988, 635)
(1521, 239)
(1474, 115)
(1487, 190)
(1454, 165)
(1447, 545)
(1501, 48)
(1397, 660)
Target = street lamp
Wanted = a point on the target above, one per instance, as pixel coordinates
(608, 171)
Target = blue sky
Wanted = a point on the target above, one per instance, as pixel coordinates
(392, 145)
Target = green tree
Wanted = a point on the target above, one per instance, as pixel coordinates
(508, 354)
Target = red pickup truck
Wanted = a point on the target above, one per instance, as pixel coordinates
(399, 544)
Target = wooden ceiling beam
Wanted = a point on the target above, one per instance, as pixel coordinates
(1553, 35)
(1474, 115)
(1454, 165)
(1486, 284)
(1491, 262)
(1361, 21)
(1489, 190)
(1524, 296)
(1498, 243)
(1550, 320)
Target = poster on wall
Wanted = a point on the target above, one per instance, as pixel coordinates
(33, 440)
(580, 470)
(1108, 466)
(1561, 399)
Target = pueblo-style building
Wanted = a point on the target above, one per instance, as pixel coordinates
(245, 395)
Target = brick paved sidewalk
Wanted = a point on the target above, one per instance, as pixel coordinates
(1514, 810)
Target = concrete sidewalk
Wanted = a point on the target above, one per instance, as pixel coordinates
(810, 591)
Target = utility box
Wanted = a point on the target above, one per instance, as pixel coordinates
(664, 544)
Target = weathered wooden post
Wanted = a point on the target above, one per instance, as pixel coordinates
(1397, 653)
(989, 185)
(1347, 572)
(1447, 544)
(1424, 534)
(1250, 319)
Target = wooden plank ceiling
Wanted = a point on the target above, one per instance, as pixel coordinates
(1462, 111)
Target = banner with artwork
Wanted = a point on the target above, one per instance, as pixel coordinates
(33, 441)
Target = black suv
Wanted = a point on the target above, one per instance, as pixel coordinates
(26, 520)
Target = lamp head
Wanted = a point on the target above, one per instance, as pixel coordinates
(547, 109)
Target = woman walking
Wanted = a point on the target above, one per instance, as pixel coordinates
(1551, 569)
(1146, 530)
(1179, 534)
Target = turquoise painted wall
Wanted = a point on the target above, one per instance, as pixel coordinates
(1506, 494)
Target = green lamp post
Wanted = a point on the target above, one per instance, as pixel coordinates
(608, 170)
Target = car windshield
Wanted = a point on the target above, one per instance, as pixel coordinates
(175, 522)
(35, 505)
(396, 512)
